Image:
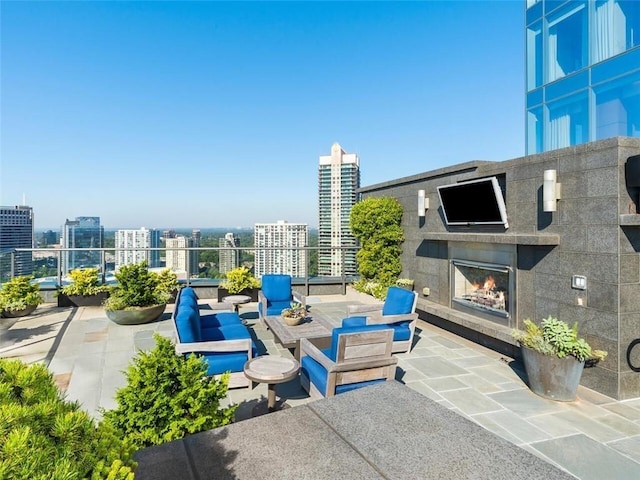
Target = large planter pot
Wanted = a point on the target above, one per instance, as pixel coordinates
(136, 316)
(250, 292)
(19, 313)
(82, 300)
(552, 377)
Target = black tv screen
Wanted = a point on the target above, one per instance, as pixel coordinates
(475, 202)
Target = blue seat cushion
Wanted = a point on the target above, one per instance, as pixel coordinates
(274, 308)
(227, 332)
(219, 362)
(221, 319)
(398, 302)
(317, 375)
(188, 325)
(277, 288)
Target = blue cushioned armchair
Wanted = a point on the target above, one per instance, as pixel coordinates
(276, 294)
(397, 312)
(358, 357)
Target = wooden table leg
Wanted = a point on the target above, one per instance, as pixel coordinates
(271, 396)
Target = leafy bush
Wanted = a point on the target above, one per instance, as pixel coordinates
(376, 223)
(43, 436)
(84, 281)
(239, 279)
(555, 337)
(168, 397)
(168, 281)
(137, 287)
(19, 293)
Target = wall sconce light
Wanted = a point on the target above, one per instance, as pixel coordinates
(551, 191)
(423, 203)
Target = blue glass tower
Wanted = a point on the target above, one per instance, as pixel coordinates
(582, 71)
(83, 232)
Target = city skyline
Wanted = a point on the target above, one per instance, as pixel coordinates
(196, 113)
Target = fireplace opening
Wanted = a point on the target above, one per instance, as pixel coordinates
(482, 288)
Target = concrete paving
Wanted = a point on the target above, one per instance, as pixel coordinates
(594, 437)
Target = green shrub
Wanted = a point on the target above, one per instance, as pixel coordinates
(371, 287)
(84, 281)
(168, 397)
(239, 279)
(19, 293)
(43, 436)
(136, 287)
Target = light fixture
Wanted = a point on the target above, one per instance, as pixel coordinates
(423, 203)
(551, 191)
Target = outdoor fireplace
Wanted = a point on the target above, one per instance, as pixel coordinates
(482, 289)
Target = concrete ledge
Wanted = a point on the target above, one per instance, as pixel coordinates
(386, 431)
(506, 238)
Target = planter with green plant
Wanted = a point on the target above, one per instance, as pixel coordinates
(138, 297)
(554, 357)
(85, 289)
(294, 314)
(239, 281)
(43, 435)
(18, 298)
(167, 397)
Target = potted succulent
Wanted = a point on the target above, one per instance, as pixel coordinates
(138, 297)
(554, 357)
(294, 314)
(18, 298)
(84, 290)
(239, 281)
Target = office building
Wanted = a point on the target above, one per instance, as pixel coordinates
(582, 72)
(338, 180)
(137, 247)
(194, 255)
(16, 231)
(82, 233)
(277, 248)
(179, 257)
(229, 258)
(50, 238)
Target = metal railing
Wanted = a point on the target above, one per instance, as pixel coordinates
(346, 274)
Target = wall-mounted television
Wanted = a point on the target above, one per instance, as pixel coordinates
(474, 202)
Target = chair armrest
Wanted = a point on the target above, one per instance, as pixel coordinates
(221, 346)
(350, 365)
(386, 319)
(309, 349)
(363, 308)
(300, 298)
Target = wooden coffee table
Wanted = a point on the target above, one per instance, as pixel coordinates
(270, 369)
(314, 326)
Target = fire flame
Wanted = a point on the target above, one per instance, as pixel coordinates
(489, 284)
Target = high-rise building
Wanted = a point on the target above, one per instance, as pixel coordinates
(176, 254)
(583, 72)
(16, 231)
(85, 233)
(284, 238)
(142, 239)
(194, 255)
(50, 238)
(338, 181)
(229, 258)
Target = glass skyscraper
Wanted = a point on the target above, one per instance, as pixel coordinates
(582, 72)
(338, 181)
(16, 231)
(83, 232)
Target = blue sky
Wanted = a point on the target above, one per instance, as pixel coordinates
(207, 114)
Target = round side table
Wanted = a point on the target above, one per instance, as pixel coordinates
(236, 300)
(270, 369)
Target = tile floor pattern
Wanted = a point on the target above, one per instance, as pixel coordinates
(593, 438)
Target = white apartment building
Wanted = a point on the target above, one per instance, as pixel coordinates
(177, 259)
(338, 181)
(284, 238)
(142, 239)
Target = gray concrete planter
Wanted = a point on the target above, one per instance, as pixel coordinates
(136, 316)
(82, 300)
(18, 313)
(552, 377)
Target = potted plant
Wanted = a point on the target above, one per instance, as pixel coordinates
(239, 281)
(18, 298)
(294, 314)
(168, 282)
(554, 357)
(138, 297)
(84, 290)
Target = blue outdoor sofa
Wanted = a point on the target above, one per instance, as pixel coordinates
(220, 337)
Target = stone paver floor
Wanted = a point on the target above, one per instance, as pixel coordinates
(594, 437)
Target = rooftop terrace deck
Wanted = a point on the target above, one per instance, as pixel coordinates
(594, 437)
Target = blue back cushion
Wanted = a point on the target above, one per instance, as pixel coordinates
(277, 288)
(398, 302)
(188, 325)
(188, 292)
